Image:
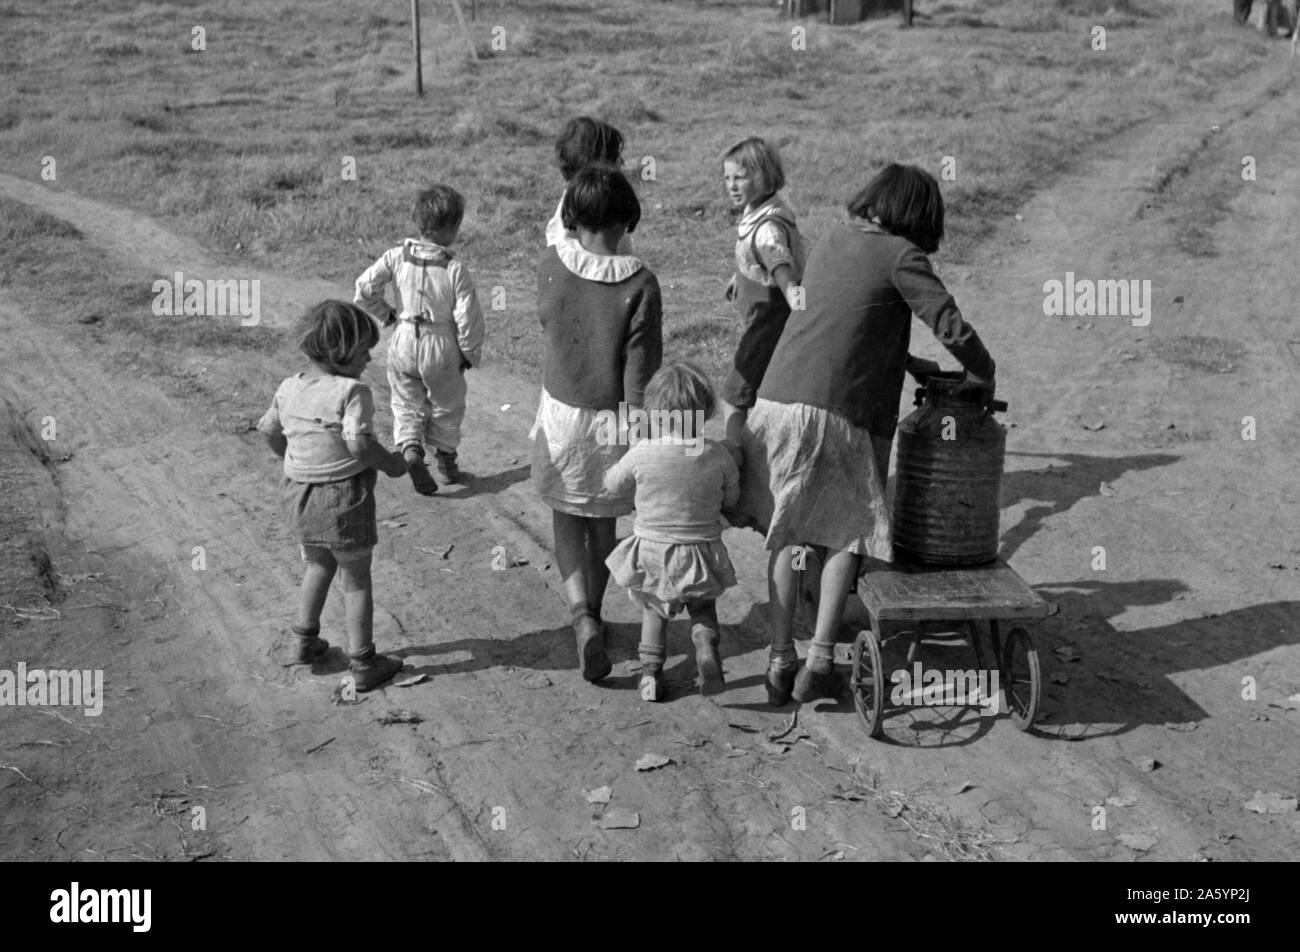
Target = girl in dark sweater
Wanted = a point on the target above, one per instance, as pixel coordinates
(817, 443)
(602, 317)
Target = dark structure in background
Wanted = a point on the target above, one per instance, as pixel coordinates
(849, 11)
(1278, 20)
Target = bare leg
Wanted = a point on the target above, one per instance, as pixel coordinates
(704, 633)
(316, 583)
(782, 591)
(818, 678)
(358, 605)
(837, 576)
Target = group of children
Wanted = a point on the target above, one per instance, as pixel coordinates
(600, 309)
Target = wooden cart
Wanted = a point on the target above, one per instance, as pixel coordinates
(917, 601)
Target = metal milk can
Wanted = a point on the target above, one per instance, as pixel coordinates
(948, 482)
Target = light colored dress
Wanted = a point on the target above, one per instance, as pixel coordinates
(675, 554)
(812, 478)
(571, 455)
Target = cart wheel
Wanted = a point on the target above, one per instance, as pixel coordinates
(868, 681)
(1021, 678)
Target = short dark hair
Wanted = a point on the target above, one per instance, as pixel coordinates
(585, 141)
(599, 197)
(907, 201)
(437, 208)
(333, 332)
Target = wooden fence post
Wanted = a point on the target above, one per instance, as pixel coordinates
(415, 42)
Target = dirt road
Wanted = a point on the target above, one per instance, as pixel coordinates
(197, 715)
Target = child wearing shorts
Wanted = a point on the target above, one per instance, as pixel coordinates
(320, 423)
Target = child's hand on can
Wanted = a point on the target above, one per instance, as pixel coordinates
(972, 382)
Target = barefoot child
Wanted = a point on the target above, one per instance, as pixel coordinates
(320, 424)
(769, 265)
(584, 141)
(675, 557)
(817, 443)
(439, 334)
(600, 312)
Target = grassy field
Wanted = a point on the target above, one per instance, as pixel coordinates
(242, 144)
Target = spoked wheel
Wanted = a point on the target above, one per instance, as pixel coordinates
(1021, 678)
(868, 682)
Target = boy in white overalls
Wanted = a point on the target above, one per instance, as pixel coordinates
(439, 334)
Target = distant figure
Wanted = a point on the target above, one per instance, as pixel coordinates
(1276, 19)
(439, 334)
(769, 266)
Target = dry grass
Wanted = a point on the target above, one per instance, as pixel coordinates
(228, 370)
(242, 145)
(949, 837)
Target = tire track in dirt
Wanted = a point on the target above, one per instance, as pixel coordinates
(142, 482)
(1044, 791)
(489, 742)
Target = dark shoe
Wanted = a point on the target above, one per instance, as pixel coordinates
(447, 466)
(780, 682)
(652, 684)
(421, 479)
(591, 648)
(374, 671)
(309, 647)
(812, 685)
(707, 661)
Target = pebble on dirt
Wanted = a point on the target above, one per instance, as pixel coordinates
(1140, 842)
(620, 819)
(651, 761)
(1263, 802)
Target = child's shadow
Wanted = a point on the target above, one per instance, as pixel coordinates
(471, 485)
(1065, 482)
(554, 649)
